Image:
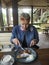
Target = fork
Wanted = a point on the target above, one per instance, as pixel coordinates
(21, 47)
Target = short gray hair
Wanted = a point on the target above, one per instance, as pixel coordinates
(25, 16)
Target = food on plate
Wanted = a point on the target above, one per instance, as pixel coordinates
(27, 51)
(24, 53)
(31, 57)
(18, 56)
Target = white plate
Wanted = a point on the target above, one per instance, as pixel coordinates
(7, 58)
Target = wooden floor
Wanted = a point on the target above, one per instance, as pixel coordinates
(43, 41)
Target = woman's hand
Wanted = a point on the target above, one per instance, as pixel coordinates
(33, 42)
(16, 41)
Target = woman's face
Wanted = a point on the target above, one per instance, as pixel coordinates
(24, 24)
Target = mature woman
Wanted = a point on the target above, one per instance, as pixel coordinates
(24, 34)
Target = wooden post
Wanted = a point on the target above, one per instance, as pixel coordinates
(15, 12)
(32, 15)
(1, 18)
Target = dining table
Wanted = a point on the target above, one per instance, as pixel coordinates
(43, 57)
